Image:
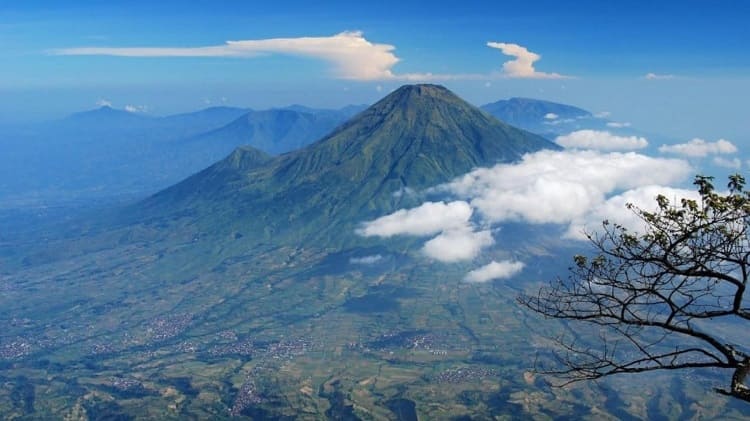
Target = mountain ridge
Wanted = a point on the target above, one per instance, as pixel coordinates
(416, 137)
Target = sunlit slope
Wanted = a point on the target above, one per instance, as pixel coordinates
(416, 137)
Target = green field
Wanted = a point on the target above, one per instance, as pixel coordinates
(180, 329)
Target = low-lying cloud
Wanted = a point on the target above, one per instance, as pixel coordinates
(495, 270)
(574, 188)
(366, 260)
(614, 209)
(559, 187)
(601, 140)
(699, 148)
(428, 219)
(459, 244)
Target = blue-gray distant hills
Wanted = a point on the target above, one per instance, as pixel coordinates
(275, 131)
(417, 137)
(546, 118)
(108, 152)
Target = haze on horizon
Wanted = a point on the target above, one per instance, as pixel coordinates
(178, 241)
(674, 68)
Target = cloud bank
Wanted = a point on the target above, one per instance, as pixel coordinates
(522, 66)
(559, 187)
(699, 148)
(456, 240)
(494, 270)
(601, 140)
(458, 244)
(614, 209)
(574, 188)
(428, 219)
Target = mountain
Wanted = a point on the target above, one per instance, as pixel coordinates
(197, 122)
(525, 111)
(347, 111)
(235, 294)
(546, 118)
(107, 118)
(416, 137)
(108, 152)
(274, 131)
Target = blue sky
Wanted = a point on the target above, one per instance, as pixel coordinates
(696, 50)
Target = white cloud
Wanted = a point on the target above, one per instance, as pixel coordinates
(577, 189)
(600, 140)
(495, 270)
(366, 260)
(457, 244)
(352, 56)
(602, 114)
(614, 209)
(654, 76)
(617, 124)
(698, 148)
(559, 187)
(136, 108)
(551, 116)
(735, 163)
(103, 103)
(428, 219)
(523, 64)
(559, 121)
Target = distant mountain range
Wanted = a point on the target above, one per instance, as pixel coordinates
(275, 131)
(244, 291)
(110, 152)
(416, 137)
(546, 118)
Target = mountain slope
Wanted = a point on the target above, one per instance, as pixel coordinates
(546, 118)
(523, 111)
(273, 131)
(106, 118)
(417, 137)
(198, 122)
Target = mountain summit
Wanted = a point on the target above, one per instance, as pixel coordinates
(415, 138)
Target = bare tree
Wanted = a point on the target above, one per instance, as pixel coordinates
(671, 296)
